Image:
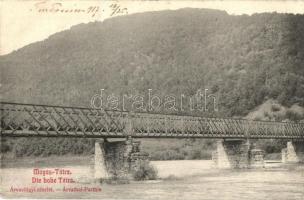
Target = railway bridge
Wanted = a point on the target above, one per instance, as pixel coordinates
(235, 148)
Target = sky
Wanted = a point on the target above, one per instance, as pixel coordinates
(25, 22)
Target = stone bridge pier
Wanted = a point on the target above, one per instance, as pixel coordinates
(236, 154)
(116, 159)
(294, 152)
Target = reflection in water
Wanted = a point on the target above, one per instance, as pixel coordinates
(193, 180)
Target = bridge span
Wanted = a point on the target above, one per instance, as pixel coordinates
(56, 121)
(235, 147)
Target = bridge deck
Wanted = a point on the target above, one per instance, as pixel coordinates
(54, 121)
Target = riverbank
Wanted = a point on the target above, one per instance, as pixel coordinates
(8, 161)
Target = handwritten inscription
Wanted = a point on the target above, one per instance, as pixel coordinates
(117, 9)
(57, 7)
(45, 7)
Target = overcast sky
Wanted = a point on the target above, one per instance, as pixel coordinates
(22, 24)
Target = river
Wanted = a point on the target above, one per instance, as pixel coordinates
(187, 180)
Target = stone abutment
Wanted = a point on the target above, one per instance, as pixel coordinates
(237, 154)
(116, 159)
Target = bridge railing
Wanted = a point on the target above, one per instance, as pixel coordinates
(42, 120)
(151, 125)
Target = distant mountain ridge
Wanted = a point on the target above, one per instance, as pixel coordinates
(243, 60)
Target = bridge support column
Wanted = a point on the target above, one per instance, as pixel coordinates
(100, 168)
(256, 157)
(116, 159)
(294, 152)
(231, 154)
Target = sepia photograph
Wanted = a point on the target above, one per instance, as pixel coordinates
(144, 100)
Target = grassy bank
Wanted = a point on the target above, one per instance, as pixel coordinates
(51, 161)
(158, 149)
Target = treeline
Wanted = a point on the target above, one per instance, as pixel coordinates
(22, 147)
(179, 149)
(158, 149)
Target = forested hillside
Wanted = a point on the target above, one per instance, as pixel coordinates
(243, 60)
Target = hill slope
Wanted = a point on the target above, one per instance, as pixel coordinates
(244, 60)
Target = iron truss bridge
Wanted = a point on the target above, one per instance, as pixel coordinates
(53, 121)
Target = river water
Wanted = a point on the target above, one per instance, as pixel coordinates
(187, 180)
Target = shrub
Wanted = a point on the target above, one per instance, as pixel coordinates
(293, 116)
(275, 108)
(267, 115)
(116, 180)
(144, 171)
(171, 178)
